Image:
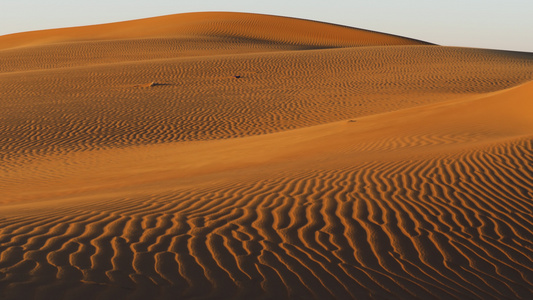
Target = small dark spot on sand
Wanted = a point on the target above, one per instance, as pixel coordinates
(152, 84)
(157, 84)
(237, 76)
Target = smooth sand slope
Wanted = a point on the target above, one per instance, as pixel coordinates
(343, 164)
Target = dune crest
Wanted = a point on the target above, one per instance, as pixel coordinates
(178, 36)
(224, 25)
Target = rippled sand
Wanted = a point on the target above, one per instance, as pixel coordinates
(227, 155)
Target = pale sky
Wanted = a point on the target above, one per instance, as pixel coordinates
(495, 24)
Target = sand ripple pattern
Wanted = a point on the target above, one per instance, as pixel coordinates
(196, 34)
(457, 226)
(68, 55)
(131, 165)
(92, 107)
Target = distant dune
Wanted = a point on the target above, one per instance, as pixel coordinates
(193, 34)
(241, 27)
(244, 156)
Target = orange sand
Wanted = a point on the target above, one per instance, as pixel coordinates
(342, 164)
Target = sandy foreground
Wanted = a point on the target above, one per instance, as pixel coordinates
(242, 156)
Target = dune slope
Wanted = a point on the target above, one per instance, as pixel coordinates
(245, 26)
(181, 35)
(379, 172)
(378, 208)
(200, 99)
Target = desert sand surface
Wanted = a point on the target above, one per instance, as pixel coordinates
(244, 156)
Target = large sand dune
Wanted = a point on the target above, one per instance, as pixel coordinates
(342, 164)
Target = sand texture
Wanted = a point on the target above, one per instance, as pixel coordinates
(242, 156)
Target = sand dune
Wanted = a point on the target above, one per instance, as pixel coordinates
(199, 98)
(240, 26)
(379, 172)
(183, 35)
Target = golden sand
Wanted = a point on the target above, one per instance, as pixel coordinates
(243, 156)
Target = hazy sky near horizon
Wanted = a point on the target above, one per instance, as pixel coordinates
(495, 24)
